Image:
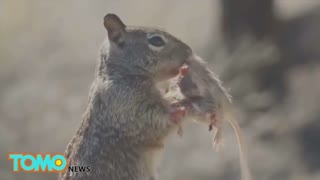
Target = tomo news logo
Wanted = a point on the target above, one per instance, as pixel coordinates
(27, 162)
(38, 162)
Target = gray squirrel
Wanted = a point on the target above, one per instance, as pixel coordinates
(127, 119)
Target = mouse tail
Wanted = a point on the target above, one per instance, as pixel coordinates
(229, 116)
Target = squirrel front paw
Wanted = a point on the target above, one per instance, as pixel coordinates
(176, 114)
(183, 70)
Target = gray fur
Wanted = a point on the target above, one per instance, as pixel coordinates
(202, 88)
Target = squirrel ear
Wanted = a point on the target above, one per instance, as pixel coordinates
(115, 27)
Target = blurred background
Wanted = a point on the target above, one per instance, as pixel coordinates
(267, 52)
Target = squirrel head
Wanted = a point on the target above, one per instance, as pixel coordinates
(147, 50)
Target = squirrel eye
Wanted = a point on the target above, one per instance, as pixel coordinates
(156, 41)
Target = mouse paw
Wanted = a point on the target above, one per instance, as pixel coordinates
(212, 120)
(218, 145)
(218, 141)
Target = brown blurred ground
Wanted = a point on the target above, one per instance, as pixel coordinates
(48, 53)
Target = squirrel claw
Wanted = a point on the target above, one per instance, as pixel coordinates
(177, 114)
(175, 105)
